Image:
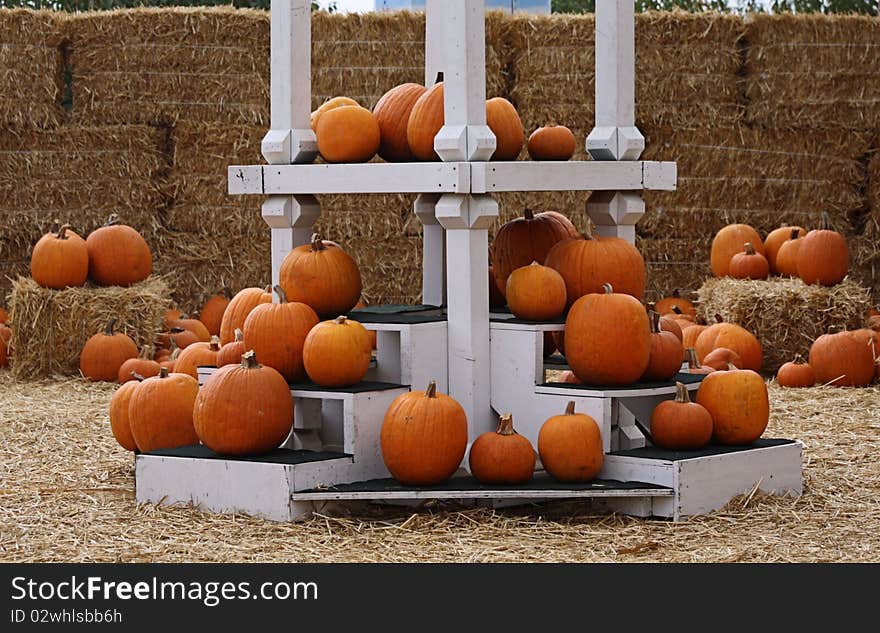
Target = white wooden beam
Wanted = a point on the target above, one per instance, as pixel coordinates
(433, 250)
(571, 176)
(291, 220)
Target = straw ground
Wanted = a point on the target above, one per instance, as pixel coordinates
(67, 495)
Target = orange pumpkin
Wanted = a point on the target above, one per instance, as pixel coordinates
(5, 337)
(729, 241)
(693, 364)
(230, 353)
(143, 366)
(796, 373)
(776, 238)
(528, 239)
(424, 437)
(570, 446)
(392, 113)
(552, 142)
(503, 119)
(425, 120)
(170, 363)
(680, 424)
(198, 355)
(588, 262)
(193, 325)
(568, 377)
(118, 255)
(348, 134)
(244, 409)
(322, 276)
(739, 405)
(337, 353)
(160, 411)
(668, 304)
(212, 312)
(4, 316)
(667, 323)
(503, 456)
(496, 297)
(330, 104)
(734, 337)
(823, 257)
(238, 309)
(842, 360)
(536, 293)
(786, 256)
(690, 334)
(60, 259)
(667, 353)
(608, 338)
(103, 354)
(119, 423)
(721, 358)
(749, 264)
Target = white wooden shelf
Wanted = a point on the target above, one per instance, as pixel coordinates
(587, 175)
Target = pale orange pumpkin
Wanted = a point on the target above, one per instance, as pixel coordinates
(750, 264)
(552, 142)
(536, 293)
(502, 456)
(337, 353)
(738, 402)
(503, 119)
(392, 113)
(680, 424)
(60, 259)
(570, 446)
(160, 411)
(348, 134)
(729, 241)
(238, 309)
(425, 120)
(796, 373)
(776, 238)
(322, 276)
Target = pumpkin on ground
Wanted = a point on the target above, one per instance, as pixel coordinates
(238, 309)
(277, 332)
(776, 238)
(143, 366)
(667, 353)
(4, 316)
(119, 423)
(193, 325)
(680, 424)
(425, 120)
(60, 259)
(170, 363)
(424, 437)
(728, 242)
(502, 456)
(230, 353)
(244, 409)
(721, 358)
(823, 257)
(392, 113)
(337, 353)
(786, 256)
(734, 337)
(750, 264)
(570, 446)
(536, 293)
(160, 411)
(841, 360)
(551, 142)
(118, 255)
(330, 104)
(738, 402)
(322, 276)
(212, 312)
(528, 239)
(103, 354)
(608, 338)
(675, 300)
(5, 337)
(796, 373)
(503, 119)
(198, 355)
(348, 134)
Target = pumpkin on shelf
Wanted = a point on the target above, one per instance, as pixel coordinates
(673, 301)
(823, 257)
(496, 297)
(238, 309)
(502, 456)
(524, 240)
(738, 402)
(796, 373)
(570, 446)
(551, 142)
(425, 120)
(374, 338)
(587, 262)
(212, 312)
(5, 337)
(750, 264)
(119, 423)
(680, 424)
(60, 259)
(143, 366)
(170, 363)
(786, 256)
(337, 353)
(721, 357)
(667, 323)
(330, 104)
(503, 119)
(424, 437)
(198, 355)
(230, 353)
(569, 378)
(690, 332)
(103, 354)
(666, 355)
(321, 275)
(734, 337)
(693, 363)
(160, 411)
(277, 332)
(118, 255)
(348, 134)
(728, 242)
(774, 241)
(841, 360)
(392, 112)
(536, 293)
(244, 408)
(608, 338)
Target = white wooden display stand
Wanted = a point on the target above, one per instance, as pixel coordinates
(488, 365)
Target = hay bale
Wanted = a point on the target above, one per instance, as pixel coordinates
(51, 326)
(786, 315)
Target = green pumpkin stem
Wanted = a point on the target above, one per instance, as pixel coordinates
(249, 360)
(681, 393)
(431, 391)
(109, 330)
(282, 296)
(569, 408)
(505, 425)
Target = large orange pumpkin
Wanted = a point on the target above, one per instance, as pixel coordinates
(160, 411)
(241, 305)
(729, 241)
(528, 239)
(212, 312)
(103, 354)
(796, 373)
(776, 238)
(588, 262)
(198, 355)
(738, 403)
(502, 456)
(119, 423)
(552, 142)
(734, 337)
(424, 437)
(667, 353)
(118, 255)
(392, 114)
(348, 134)
(337, 353)
(608, 338)
(503, 119)
(749, 264)
(842, 360)
(425, 120)
(536, 293)
(60, 259)
(786, 256)
(321, 275)
(823, 257)
(570, 446)
(244, 409)
(680, 424)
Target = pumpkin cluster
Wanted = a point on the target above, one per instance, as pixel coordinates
(847, 358)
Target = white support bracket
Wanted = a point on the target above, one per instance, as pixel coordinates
(291, 220)
(615, 213)
(433, 250)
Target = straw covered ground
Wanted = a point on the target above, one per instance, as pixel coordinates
(67, 495)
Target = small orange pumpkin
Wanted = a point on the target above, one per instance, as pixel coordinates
(796, 373)
(721, 357)
(392, 114)
(330, 104)
(348, 134)
(680, 424)
(749, 264)
(503, 119)
(337, 353)
(103, 354)
(739, 405)
(193, 325)
(144, 366)
(570, 446)
(786, 256)
(322, 276)
(230, 353)
(776, 238)
(668, 304)
(118, 255)
(731, 336)
(667, 353)
(60, 259)
(842, 360)
(551, 142)
(503, 456)
(212, 312)
(198, 355)
(160, 411)
(536, 293)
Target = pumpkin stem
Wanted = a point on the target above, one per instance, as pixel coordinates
(794, 234)
(163, 372)
(528, 214)
(239, 335)
(431, 391)
(317, 244)
(681, 393)
(227, 292)
(505, 425)
(110, 324)
(282, 296)
(675, 294)
(731, 367)
(249, 360)
(176, 353)
(693, 361)
(215, 344)
(534, 263)
(719, 318)
(340, 320)
(62, 232)
(439, 78)
(569, 408)
(137, 376)
(607, 288)
(112, 220)
(826, 221)
(798, 358)
(750, 250)
(677, 310)
(655, 321)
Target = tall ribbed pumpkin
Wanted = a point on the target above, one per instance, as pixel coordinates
(160, 411)
(244, 409)
(424, 437)
(608, 338)
(241, 305)
(321, 275)
(503, 119)
(425, 120)
(392, 113)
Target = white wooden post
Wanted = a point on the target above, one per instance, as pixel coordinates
(291, 220)
(433, 250)
(615, 136)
